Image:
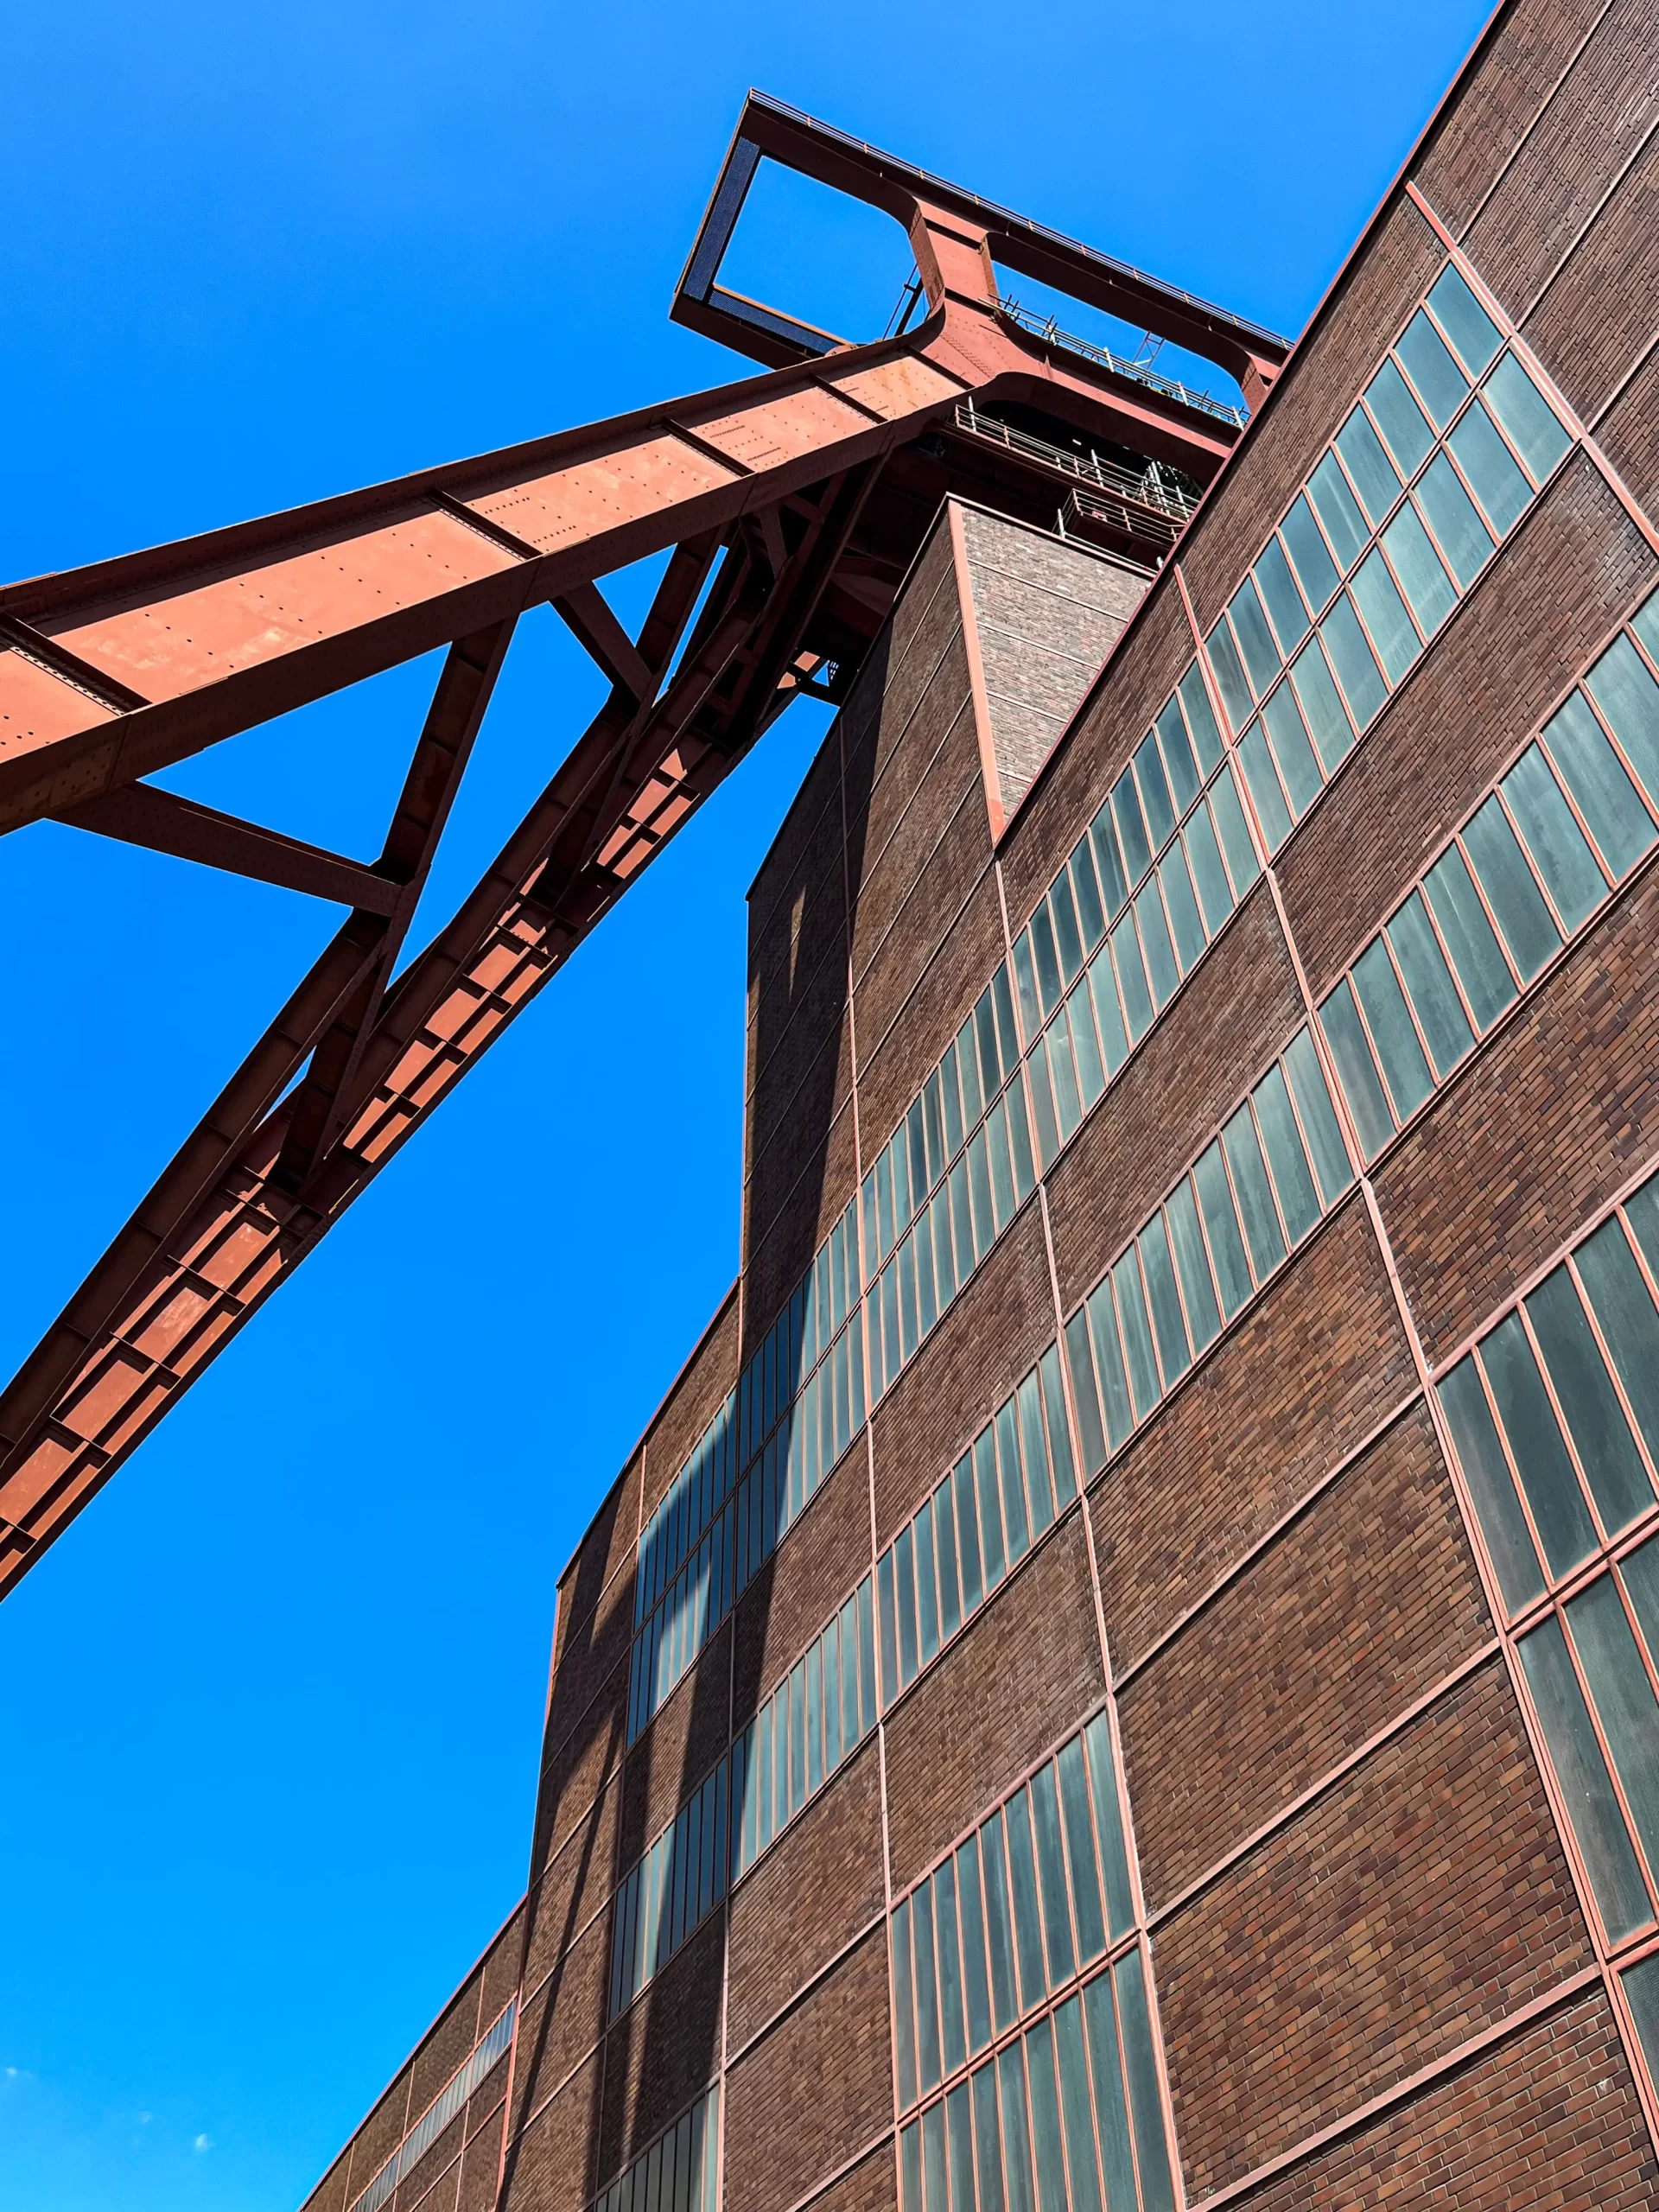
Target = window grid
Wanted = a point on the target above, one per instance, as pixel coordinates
(681, 2170)
(672, 1889)
(1022, 1931)
(1444, 452)
(1275, 1169)
(808, 1728)
(1567, 821)
(981, 1519)
(489, 2049)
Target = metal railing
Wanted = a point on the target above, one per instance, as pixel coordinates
(1171, 387)
(1161, 502)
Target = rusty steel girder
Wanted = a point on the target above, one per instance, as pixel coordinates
(790, 504)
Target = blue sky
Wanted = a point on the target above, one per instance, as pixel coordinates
(272, 1704)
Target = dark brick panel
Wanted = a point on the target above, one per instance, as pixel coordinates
(786, 1043)
(1010, 1685)
(1140, 672)
(1630, 436)
(1572, 568)
(381, 2133)
(1526, 54)
(1322, 382)
(560, 2023)
(589, 1661)
(577, 1772)
(1549, 2122)
(606, 1551)
(818, 1886)
(446, 2046)
(481, 2167)
(818, 2087)
(1297, 1386)
(684, 1737)
(926, 619)
(805, 854)
(823, 1558)
(665, 2049)
(1359, 1608)
(872, 2186)
(1598, 315)
(940, 757)
(551, 2166)
(574, 1887)
(803, 1172)
(985, 1343)
(1240, 1006)
(1553, 1116)
(960, 859)
(434, 2179)
(1592, 124)
(1420, 1901)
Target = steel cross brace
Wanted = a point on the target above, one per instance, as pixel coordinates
(109, 673)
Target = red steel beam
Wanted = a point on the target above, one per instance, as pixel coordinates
(111, 671)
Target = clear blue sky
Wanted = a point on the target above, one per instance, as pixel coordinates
(272, 1704)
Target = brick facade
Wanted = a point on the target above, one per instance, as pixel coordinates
(1373, 1973)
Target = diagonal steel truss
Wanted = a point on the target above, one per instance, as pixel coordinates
(790, 505)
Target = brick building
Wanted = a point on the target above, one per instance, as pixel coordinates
(1122, 1674)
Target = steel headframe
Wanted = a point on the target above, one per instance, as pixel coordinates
(759, 490)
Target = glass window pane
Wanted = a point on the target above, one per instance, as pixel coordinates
(1399, 417)
(1229, 816)
(1284, 602)
(1159, 952)
(933, 2159)
(1395, 1039)
(1263, 777)
(927, 2017)
(1028, 1925)
(1204, 858)
(1016, 2128)
(1595, 1419)
(1108, 1015)
(1035, 1454)
(1200, 718)
(1068, 1106)
(990, 1508)
(1051, 1870)
(1455, 520)
(1203, 1315)
(1110, 2103)
(1298, 1201)
(1109, 1365)
(1230, 675)
(1308, 551)
(1554, 838)
(1070, 942)
(1254, 639)
(1261, 1231)
(1493, 474)
(1129, 1987)
(1131, 829)
(959, 2128)
(1045, 2118)
(1091, 918)
(1322, 707)
(1137, 1335)
(945, 1943)
(1558, 1511)
(1108, 863)
(1582, 1774)
(1372, 472)
(999, 1927)
(1624, 1700)
(1640, 1985)
(1499, 864)
(1470, 938)
(1091, 1076)
(1083, 2194)
(1183, 908)
(1487, 1471)
(1362, 1086)
(1530, 421)
(1440, 383)
(1091, 1428)
(1131, 978)
(1184, 777)
(1627, 695)
(1108, 1826)
(987, 2140)
(1464, 319)
(1320, 1128)
(1080, 1853)
(1418, 567)
(1428, 979)
(1048, 982)
(1602, 791)
(1154, 789)
(1337, 510)
(1165, 1300)
(1350, 657)
(1628, 1321)
(1298, 769)
(1226, 1244)
(1378, 599)
(904, 2010)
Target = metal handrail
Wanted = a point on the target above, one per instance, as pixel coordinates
(1154, 489)
(1171, 387)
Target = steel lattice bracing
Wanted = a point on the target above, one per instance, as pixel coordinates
(790, 504)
